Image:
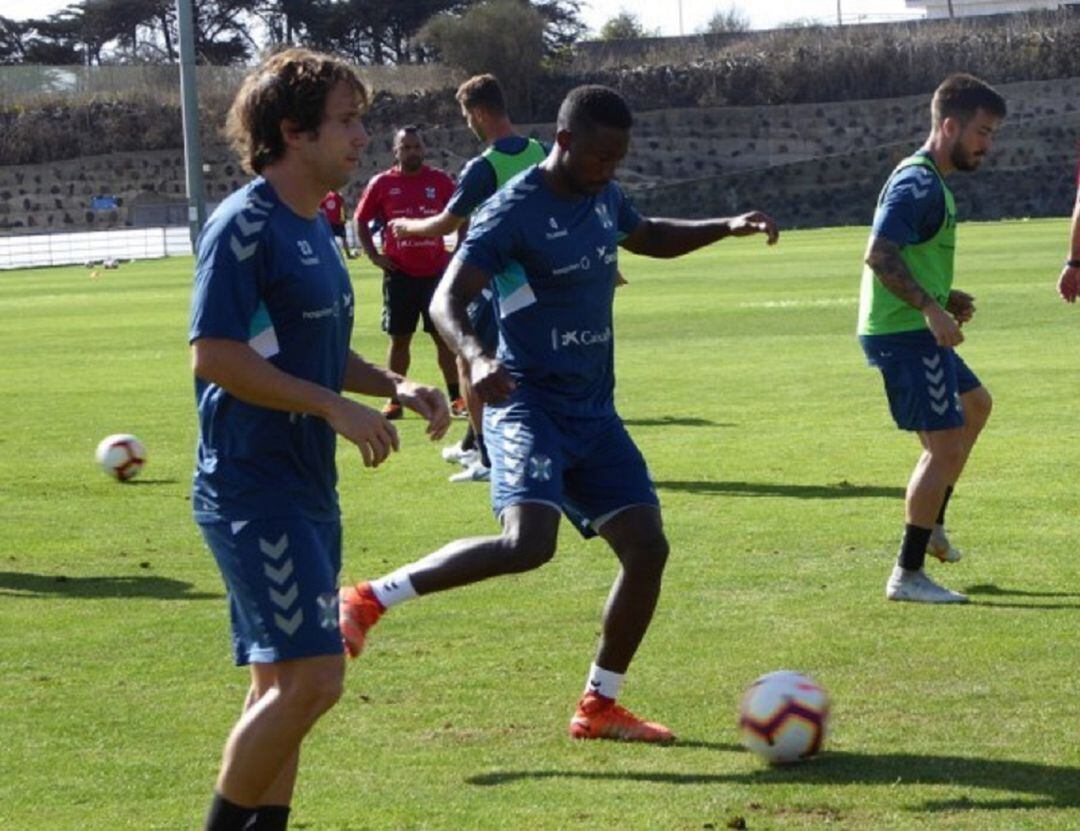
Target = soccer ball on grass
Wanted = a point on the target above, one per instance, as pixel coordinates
(121, 455)
(783, 717)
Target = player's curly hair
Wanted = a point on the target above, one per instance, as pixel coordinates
(590, 106)
(292, 84)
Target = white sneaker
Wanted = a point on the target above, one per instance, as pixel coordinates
(476, 472)
(456, 456)
(940, 547)
(916, 587)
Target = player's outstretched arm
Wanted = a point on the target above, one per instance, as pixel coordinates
(458, 286)
(666, 238)
(1069, 281)
(430, 226)
(883, 257)
(242, 372)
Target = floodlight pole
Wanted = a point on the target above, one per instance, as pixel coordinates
(196, 194)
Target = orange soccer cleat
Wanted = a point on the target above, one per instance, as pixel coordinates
(358, 611)
(598, 717)
(458, 408)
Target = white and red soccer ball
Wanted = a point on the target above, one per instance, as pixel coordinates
(783, 717)
(121, 455)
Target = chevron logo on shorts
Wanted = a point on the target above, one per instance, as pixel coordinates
(935, 384)
(286, 591)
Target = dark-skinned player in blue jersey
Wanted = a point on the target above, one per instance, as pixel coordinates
(557, 445)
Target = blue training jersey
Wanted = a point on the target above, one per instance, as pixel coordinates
(554, 261)
(912, 208)
(276, 281)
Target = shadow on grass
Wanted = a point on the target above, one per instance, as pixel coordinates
(1051, 786)
(990, 590)
(675, 421)
(137, 482)
(838, 490)
(20, 584)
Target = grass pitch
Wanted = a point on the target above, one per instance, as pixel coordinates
(781, 478)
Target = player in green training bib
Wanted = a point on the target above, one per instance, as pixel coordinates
(910, 319)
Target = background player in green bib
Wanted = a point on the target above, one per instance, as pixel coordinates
(483, 106)
(910, 320)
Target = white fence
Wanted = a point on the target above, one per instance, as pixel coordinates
(23, 251)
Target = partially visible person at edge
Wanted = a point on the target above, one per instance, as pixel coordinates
(411, 267)
(1069, 281)
(271, 320)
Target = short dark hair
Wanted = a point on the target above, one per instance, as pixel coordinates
(960, 96)
(409, 130)
(482, 91)
(591, 106)
(292, 84)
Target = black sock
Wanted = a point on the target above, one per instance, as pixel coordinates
(468, 441)
(271, 818)
(227, 816)
(913, 547)
(453, 390)
(485, 460)
(944, 505)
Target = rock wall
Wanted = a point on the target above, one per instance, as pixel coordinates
(810, 164)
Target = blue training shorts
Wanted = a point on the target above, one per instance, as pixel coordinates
(589, 468)
(923, 381)
(281, 576)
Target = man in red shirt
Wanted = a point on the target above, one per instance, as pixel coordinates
(411, 267)
(333, 208)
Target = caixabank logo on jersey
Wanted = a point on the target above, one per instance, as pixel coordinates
(567, 338)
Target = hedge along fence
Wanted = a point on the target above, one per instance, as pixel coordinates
(55, 113)
(784, 67)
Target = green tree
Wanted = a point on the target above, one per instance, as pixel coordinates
(503, 37)
(724, 21)
(624, 26)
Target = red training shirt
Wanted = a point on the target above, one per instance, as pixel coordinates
(333, 206)
(392, 194)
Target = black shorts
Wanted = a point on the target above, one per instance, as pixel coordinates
(339, 229)
(405, 301)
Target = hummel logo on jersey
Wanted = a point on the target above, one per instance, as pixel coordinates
(307, 253)
(605, 217)
(429, 192)
(347, 302)
(556, 231)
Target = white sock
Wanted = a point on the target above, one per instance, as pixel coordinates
(394, 588)
(605, 682)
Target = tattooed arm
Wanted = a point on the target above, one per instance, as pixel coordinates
(883, 257)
